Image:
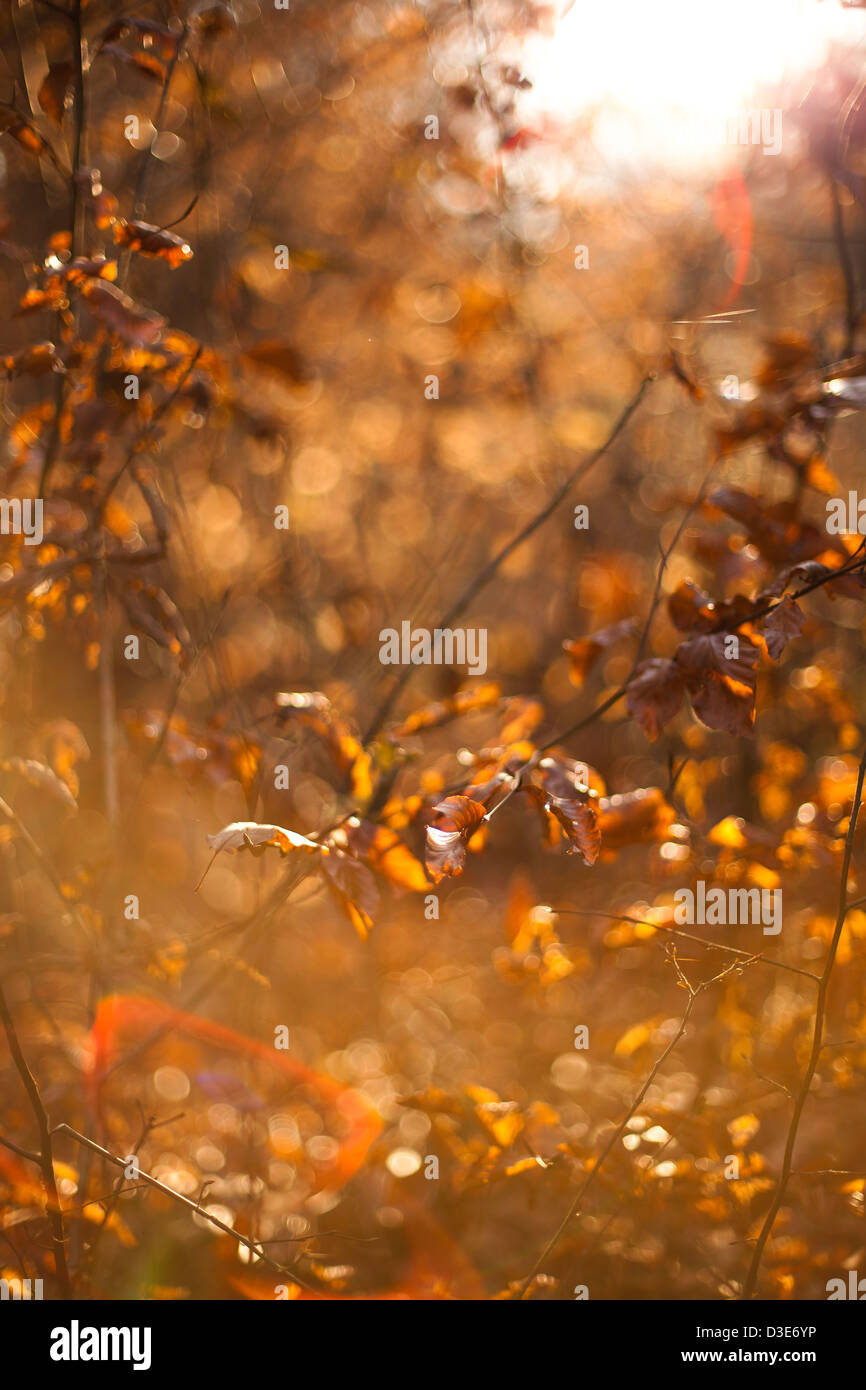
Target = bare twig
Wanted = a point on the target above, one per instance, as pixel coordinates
(686, 935)
(45, 1157)
(482, 579)
(194, 1207)
(817, 1046)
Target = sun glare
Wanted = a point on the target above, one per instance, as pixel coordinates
(665, 75)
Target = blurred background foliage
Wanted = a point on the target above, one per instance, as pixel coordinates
(304, 388)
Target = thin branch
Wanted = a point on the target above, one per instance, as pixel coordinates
(817, 1046)
(62, 383)
(855, 563)
(194, 1207)
(617, 1134)
(482, 579)
(852, 314)
(688, 936)
(45, 1157)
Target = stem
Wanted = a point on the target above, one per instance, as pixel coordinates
(482, 579)
(45, 1157)
(817, 1046)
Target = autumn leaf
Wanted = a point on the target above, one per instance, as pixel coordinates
(779, 627)
(251, 835)
(721, 686)
(354, 888)
(314, 710)
(641, 816)
(583, 652)
(385, 852)
(691, 609)
(52, 94)
(457, 819)
(45, 778)
(282, 359)
(558, 790)
(32, 361)
(22, 132)
(654, 694)
(152, 241)
(133, 324)
(442, 711)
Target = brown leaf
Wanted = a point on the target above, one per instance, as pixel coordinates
(314, 709)
(779, 627)
(457, 818)
(52, 93)
(354, 888)
(281, 358)
(32, 361)
(152, 241)
(22, 132)
(522, 717)
(636, 817)
(385, 852)
(38, 775)
(721, 688)
(655, 694)
(561, 794)
(690, 608)
(583, 652)
(441, 711)
(147, 63)
(251, 835)
(122, 316)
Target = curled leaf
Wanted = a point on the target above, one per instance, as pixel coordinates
(779, 627)
(152, 241)
(134, 325)
(655, 694)
(457, 819)
(251, 835)
(561, 793)
(720, 673)
(583, 652)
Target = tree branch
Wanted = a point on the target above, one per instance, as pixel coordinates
(817, 1045)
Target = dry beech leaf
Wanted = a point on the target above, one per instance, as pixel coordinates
(281, 358)
(354, 888)
(583, 652)
(52, 93)
(457, 819)
(152, 241)
(314, 710)
(38, 775)
(133, 324)
(441, 711)
(32, 361)
(251, 835)
(721, 688)
(784, 623)
(655, 694)
(22, 131)
(383, 850)
(558, 790)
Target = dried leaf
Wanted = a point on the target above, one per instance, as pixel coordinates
(784, 623)
(457, 819)
(655, 694)
(52, 93)
(133, 324)
(583, 652)
(152, 241)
